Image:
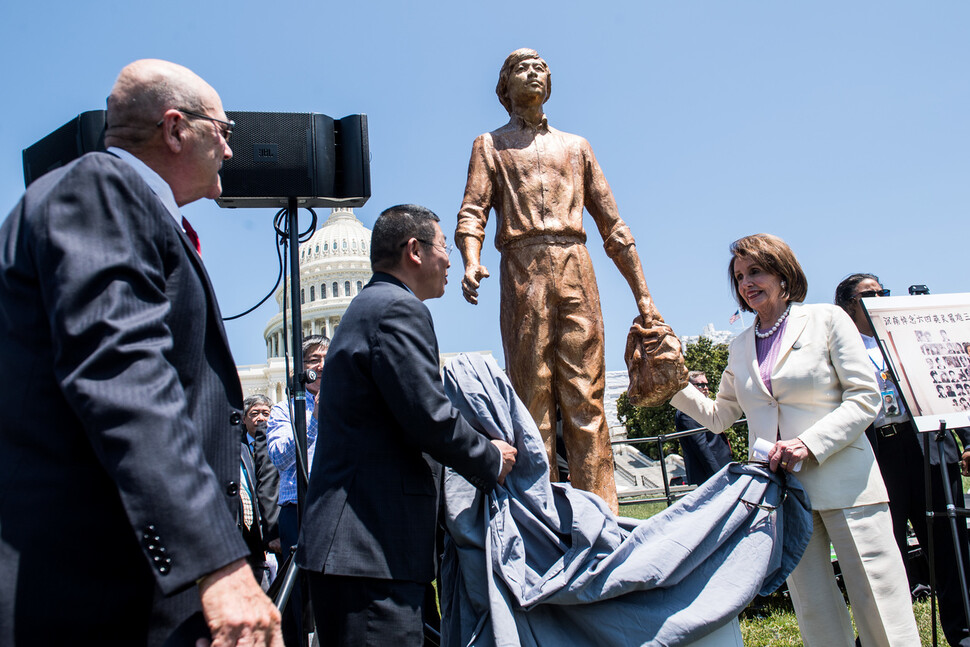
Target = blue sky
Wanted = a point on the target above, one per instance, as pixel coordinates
(842, 127)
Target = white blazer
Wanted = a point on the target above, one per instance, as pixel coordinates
(825, 393)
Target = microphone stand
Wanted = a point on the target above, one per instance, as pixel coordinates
(293, 577)
(952, 513)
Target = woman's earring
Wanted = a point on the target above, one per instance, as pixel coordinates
(783, 285)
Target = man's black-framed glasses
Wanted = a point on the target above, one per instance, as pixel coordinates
(226, 128)
(868, 294)
(448, 249)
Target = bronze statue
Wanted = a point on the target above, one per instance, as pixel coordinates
(538, 180)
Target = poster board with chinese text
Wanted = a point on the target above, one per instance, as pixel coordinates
(927, 342)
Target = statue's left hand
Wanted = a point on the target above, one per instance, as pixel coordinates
(474, 274)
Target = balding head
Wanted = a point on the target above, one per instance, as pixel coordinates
(143, 92)
(173, 121)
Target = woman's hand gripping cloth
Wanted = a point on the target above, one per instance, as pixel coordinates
(537, 563)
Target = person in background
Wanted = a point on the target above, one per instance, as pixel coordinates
(801, 376)
(899, 451)
(259, 488)
(705, 452)
(282, 451)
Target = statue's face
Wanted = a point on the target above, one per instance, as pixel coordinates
(529, 80)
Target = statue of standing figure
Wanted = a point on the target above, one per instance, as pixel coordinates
(538, 180)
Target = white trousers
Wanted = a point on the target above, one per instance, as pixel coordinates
(875, 580)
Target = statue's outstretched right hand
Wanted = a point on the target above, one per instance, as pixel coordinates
(474, 274)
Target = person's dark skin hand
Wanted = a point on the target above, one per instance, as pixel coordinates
(508, 458)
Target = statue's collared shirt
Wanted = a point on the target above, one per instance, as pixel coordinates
(538, 180)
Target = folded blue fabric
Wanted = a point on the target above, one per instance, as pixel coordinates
(540, 563)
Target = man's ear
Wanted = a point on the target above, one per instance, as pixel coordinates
(412, 253)
(173, 130)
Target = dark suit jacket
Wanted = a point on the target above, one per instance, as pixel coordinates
(373, 498)
(264, 481)
(705, 453)
(119, 442)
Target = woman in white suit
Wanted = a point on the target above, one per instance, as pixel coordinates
(802, 377)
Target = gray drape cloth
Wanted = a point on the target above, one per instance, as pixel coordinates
(537, 563)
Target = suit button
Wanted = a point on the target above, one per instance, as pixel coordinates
(232, 489)
(235, 418)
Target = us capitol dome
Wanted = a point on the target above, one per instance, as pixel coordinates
(334, 268)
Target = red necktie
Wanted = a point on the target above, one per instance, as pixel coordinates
(193, 236)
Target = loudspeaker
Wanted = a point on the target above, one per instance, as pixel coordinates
(83, 134)
(320, 161)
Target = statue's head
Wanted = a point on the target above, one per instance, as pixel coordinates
(519, 56)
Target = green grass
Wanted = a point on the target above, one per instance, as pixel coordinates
(774, 623)
(641, 510)
(777, 625)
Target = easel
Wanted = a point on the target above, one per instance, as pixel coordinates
(952, 513)
(883, 307)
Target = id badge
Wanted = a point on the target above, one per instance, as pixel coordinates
(890, 406)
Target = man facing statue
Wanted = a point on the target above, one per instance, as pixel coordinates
(538, 180)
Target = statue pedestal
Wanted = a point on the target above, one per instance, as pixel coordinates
(727, 636)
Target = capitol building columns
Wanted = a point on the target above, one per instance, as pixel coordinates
(334, 268)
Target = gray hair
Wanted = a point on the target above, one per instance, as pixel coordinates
(254, 400)
(142, 93)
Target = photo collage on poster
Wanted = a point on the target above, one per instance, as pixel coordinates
(948, 363)
(928, 341)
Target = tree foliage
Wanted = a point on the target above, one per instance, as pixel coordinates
(644, 422)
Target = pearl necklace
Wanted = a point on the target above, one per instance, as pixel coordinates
(774, 329)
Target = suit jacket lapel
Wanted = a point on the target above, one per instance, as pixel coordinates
(751, 359)
(210, 293)
(797, 319)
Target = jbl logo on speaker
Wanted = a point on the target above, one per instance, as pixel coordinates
(265, 153)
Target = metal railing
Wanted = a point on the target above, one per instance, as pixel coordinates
(671, 494)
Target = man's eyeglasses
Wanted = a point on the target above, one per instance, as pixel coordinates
(701, 385)
(226, 128)
(448, 249)
(868, 294)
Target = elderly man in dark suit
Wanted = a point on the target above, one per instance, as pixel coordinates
(368, 535)
(119, 447)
